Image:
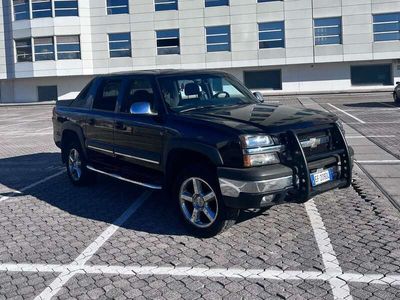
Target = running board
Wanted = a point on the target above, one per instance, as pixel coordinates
(147, 185)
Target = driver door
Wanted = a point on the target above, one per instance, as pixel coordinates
(138, 139)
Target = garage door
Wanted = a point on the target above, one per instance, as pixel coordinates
(372, 75)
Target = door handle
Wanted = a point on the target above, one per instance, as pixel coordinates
(120, 126)
(91, 122)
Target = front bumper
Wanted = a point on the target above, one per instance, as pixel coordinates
(290, 182)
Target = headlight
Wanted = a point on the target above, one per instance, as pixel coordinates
(259, 150)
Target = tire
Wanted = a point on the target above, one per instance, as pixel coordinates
(396, 98)
(197, 188)
(76, 165)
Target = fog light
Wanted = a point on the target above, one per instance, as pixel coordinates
(267, 200)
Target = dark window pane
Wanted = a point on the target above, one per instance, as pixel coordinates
(210, 3)
(328, 31)
(271, 80)
(115, 7)
(120, 44)
(387, 27)
(168, 42)
(271, 35)
(21, 9)
(47, 93)
(166, 5)
(66, 8)
(41, 9)
(218, 38)
(24, 50)
(371, 75)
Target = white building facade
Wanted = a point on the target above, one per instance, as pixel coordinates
(49, 49)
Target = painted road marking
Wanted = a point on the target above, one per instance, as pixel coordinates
(346, 113)
(340, 288)
(368, 136)
(379, 162)
(77, 265)
(205, 272)
(15, 193)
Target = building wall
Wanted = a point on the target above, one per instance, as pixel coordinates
(305, 67)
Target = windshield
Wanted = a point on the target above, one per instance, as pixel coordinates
(184, 93)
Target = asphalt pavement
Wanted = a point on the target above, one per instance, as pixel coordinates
(116, 240)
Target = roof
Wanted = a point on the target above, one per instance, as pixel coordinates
(159, 72)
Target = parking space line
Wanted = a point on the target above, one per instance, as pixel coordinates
(203, 272)
(70, 270)
(15, 193)
(346, 113)
(340, 288)
(368, 136)
(379, 162)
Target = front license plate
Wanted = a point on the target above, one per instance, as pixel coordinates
(321, 176)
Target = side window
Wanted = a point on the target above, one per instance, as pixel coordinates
(107, 96)
(82, 99)
(139, 90)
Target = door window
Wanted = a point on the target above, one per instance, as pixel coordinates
(107, 96)
(139, 90)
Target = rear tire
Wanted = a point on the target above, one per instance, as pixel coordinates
(197, 194)
(396, 98)
(76, 165)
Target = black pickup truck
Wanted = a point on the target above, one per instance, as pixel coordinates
(201, 135)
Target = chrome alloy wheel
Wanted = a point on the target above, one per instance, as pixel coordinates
(198, 202)
(75, 164)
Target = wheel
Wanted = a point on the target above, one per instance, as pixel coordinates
(200, 202)
(396, 98)
(76, 165)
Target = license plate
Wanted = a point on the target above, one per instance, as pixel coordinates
(321, 176)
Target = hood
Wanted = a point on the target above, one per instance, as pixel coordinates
(263, 117)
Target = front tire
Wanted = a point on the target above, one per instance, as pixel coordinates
(200, 202)
(76, 165)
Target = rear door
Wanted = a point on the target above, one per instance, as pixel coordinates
(138, 139)
(100, 123)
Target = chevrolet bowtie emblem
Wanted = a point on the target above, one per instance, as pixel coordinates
(314, 142)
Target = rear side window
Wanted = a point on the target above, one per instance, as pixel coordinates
(139, 90)
(83, 99)
(107, 96)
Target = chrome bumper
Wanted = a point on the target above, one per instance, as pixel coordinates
(233, 188)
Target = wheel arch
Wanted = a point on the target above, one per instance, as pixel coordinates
(70, 132)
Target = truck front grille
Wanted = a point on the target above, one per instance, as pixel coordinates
(316, 143)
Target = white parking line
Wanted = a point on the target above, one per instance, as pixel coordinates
(14, 193)
(368, 136)
(379, 162)
(205, 272)
(77, 265)
(340, 288)
(346, 113)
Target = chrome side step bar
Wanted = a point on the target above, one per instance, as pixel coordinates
(147, 185)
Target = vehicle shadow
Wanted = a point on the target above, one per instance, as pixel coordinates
(104, 200)
(386, 104)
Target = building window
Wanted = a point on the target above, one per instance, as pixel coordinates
(265, 80)
(44, 48)
(41, 9)
(372, 75)
(24, 50)
(211, 3)
(328, 31)
(21, 9)
(271, 35)
(64, 8)
(166, 5)
(120, 44)
(115, 7)
(68, 47)
(168, 42)
(47, 93)
(218, 38)
(387, 27)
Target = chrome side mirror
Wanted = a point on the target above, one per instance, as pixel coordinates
(141, 108)
(259, 96)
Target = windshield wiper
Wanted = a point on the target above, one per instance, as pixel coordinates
(199, 107)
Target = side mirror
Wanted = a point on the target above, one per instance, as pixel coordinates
(141, 108)
(398, 82)
(259, 96)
